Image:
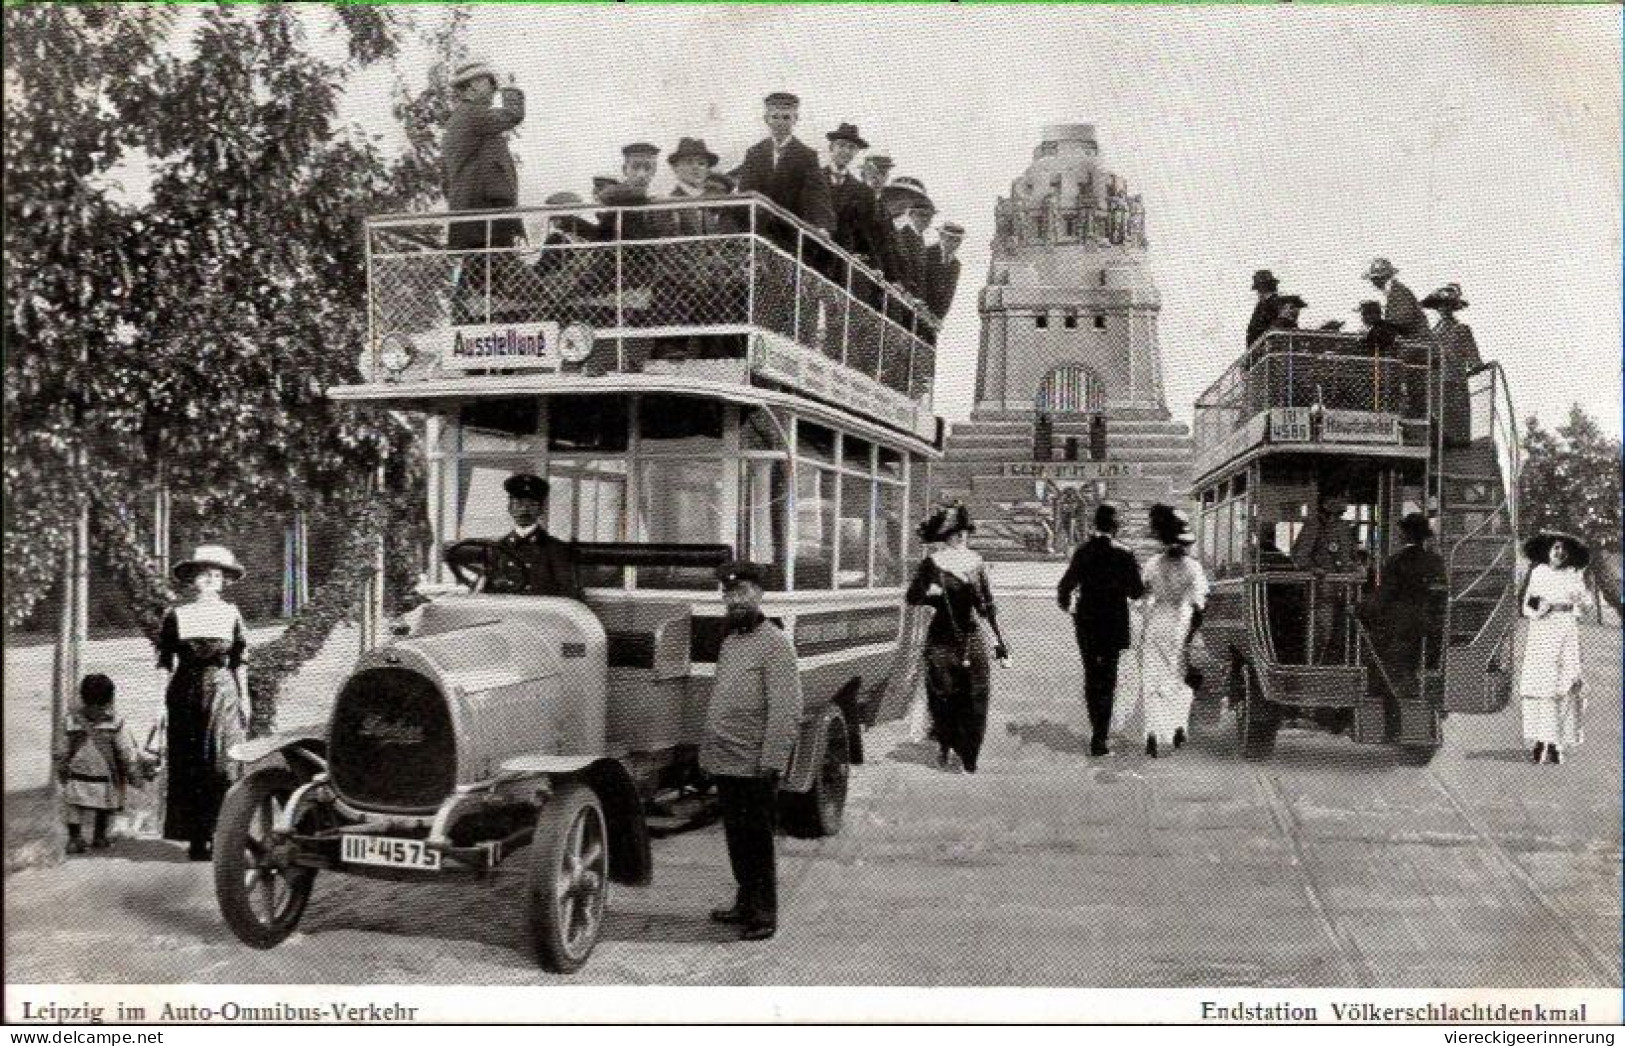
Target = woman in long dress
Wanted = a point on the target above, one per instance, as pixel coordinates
(1550, 681)
(953, 580)
(201, 645)
(1176, 593)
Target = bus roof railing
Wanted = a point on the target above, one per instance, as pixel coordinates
(717, 264)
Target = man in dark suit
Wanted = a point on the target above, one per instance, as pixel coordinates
(857, 213)
(1104, 577)
(528, 560)
(942, 269)
(785, 170)
(478, 174)
(1408, 608)
(911, 209)
(638, 166)
(1399, 305)
(1264, 285)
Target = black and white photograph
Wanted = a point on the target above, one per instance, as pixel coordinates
(922, 499)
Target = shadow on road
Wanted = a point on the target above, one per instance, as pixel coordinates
(1499, 755)
(649, 927)
(921, 753)
(1057, 737)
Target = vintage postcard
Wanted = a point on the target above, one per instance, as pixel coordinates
(526, 512)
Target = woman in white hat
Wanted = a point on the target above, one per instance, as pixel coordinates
(1175, 595)
(201, 645)
(1550, 681)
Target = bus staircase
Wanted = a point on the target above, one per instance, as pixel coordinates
(1475, 490)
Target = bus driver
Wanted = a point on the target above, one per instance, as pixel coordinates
(528, 560)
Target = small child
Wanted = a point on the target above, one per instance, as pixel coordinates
(96, 759)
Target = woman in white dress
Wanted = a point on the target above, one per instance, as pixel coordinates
(1175, 595)
(1550, 682)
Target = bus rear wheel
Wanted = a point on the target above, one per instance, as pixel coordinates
(817, 812)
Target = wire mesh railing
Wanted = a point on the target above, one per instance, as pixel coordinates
(707, 269)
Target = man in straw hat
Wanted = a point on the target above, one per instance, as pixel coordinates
(528, 560)
(1104, 578)
(750, 730)
(1399, 304)
(784, 169)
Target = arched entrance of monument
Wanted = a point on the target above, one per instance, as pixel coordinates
(1071, 388)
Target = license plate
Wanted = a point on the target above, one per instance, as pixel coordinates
(389, 853)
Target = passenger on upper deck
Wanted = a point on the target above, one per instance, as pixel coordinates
(1264, 285)
(637, 171)
(478, 171)
(942, 269)
(693, 162)
(911, 210)
(876, 173)
(783, 169)
(528, 560)
(1381, 337)
(1460, 351)
(1399, 304)
(857, 212)
(1287, 308)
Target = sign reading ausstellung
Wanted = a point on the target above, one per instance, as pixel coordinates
(1359, 426)
(528, 346)
(1073, 469)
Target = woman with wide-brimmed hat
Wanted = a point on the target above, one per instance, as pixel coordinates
(1550, 681)
(1459, 351)
(1175, 596)
(953, 580)
(201, 644)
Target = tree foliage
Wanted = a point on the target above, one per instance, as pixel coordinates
(1571, 482)
(200, 326)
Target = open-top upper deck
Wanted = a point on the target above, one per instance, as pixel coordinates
(1317, 392)
(720, 289)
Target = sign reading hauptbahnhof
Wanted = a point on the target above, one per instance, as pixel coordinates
(1073, 469)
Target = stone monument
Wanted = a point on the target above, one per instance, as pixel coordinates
(1069, 405)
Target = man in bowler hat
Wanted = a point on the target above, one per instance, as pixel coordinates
(857, 229)
(1265, 286)
(1105, 578)
(1405, 616)
(528, 560)
(750, 730)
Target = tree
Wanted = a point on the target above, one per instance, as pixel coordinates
(1571, 482)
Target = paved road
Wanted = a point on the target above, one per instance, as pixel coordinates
(1330, 865)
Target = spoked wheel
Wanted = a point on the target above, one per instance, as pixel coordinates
(261, 894)
(817, 813)
(1256, 722)
(569, 883)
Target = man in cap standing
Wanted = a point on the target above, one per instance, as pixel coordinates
(528, 560)
(750, 730)
(1104, 578)
(784, 169)
(942, 269)
(477, 170)
(1399, 306)
(1264, 285)
(638, 166)
(1405, 616)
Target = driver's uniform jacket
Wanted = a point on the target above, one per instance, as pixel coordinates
(755, 710)
(534, 564)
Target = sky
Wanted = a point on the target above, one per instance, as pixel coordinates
(1468, 144)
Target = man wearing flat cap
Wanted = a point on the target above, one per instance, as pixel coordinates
(1265, 286)
(942, 269)
(750, 730)
(638, 166)
(1408, 608)
(857, 230)
(528, 560)
(784, 169)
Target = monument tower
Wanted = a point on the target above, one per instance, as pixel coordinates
(1069, 406)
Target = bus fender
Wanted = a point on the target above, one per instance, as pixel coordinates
(809, 751)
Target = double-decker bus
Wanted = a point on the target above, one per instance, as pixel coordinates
(1307, 419)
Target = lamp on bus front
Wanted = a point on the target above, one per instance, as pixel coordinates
(575, 342)
(395, 355)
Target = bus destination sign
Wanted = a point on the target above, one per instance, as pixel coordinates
(505, 346)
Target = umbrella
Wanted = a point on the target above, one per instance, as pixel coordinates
(1539, 548)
